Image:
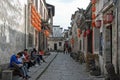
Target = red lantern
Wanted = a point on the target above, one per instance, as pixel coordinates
(93, 16)
(84, 35)
(98, 23)
(109, 17)
(35, 19)
(93, 8)
(72, 41)
(93, 24)
(46, 32)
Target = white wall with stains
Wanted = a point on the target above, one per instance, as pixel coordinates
(12, 28)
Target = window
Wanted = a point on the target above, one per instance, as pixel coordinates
(30, 40)
(60, 44)
(80, 45)
(96, 40)
(101, 43)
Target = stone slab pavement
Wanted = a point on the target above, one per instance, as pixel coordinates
(60, 66)
(65, 68)
(36, 71)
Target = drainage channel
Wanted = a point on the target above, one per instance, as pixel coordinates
(46, 67)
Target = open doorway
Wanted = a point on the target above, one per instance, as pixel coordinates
(108, 38)
(55, 46)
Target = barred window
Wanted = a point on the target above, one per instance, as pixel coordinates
(60, 44)
(30, 40)
(96, 40)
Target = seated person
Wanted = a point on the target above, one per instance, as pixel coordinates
(35, 57)
(27, 60)
(23, 61)
(14, 63)
(41, 53)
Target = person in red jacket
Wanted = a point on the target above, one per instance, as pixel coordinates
(27, 60)
(41, 53)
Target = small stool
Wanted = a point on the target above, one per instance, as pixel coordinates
(7, 75)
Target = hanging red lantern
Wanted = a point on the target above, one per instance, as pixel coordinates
(35, 18)
(72, 41)
(93, 8)
(93, 23)
(84, 35)
(109, 17)
(93, 16)
(98, 23)
(46, 32)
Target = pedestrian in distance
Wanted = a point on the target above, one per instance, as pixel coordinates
(66, 51)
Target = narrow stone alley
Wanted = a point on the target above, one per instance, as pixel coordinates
(65, 68)
(88, 29)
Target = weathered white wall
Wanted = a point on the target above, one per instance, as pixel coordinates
(12, 28)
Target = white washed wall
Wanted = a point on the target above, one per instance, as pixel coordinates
(12, 33)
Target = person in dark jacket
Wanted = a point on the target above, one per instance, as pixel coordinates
(14, 63)
(35, 57)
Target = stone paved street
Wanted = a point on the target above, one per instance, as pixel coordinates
(59, 67)
(65, 68)
(36, 71)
